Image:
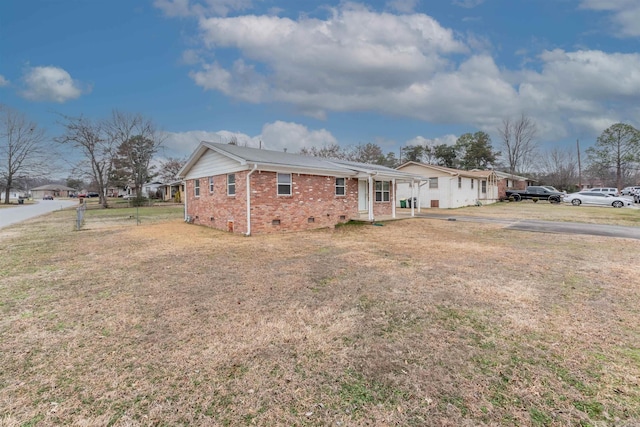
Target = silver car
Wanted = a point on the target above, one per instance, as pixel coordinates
(629, 191)
(596, 198)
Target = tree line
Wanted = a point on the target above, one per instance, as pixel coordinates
(118, 150)
(614, 160)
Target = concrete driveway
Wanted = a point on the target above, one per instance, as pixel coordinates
(19, 213)
(547, 226)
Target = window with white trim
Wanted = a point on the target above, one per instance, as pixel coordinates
(210, 184)
(196, 187)
(284, 184)
(231, 184)
(433, 182)
(484, 186)
(383, 192)
(340, 187)
(472, 183)
(459, 182)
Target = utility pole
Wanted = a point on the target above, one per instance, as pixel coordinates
(579, 166)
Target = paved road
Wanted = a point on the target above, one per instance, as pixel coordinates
(547, 226)
(19, 213)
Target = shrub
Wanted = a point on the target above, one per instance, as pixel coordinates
(138, 201)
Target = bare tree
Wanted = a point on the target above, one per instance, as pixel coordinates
(559, 168)
(22, 150)
(97, 148)
(136, 141)
(518, 141)
(366, 153)
(169, 168)
(329, 151)
(617, 148)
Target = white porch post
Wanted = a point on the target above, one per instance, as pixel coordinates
(372, 195)
(419, 201)
(413, 205)
(393, 199)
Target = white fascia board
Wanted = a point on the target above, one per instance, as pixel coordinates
(385, 176)
(191, 161)
(283, 168)
(239, 168)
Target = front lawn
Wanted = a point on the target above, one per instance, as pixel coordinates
(416, 322)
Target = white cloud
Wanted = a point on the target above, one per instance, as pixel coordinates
(408, 65)
(276, 136)
(337, 64)
(431, 142)
(577, 92)
(240, 82)
(184, 8)
(173, 8)
(293, 137)
(468, 4)
(3, 81)
(190, 57)
(50, 84)
(402, 6)
(625, 15)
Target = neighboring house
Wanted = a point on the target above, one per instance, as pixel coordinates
(507, 181)
(54, 190)
(593, 183)
(248, 190)
(116, 191)
(14, 194)
(153, 189)
(447, 188)
(173, 191)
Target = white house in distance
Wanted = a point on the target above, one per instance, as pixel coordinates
(449, 188)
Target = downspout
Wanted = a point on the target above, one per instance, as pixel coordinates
(183, 184)
(255, 167)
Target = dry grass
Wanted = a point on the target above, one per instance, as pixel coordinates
(419, 322)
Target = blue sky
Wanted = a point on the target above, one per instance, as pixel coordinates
(300, 73)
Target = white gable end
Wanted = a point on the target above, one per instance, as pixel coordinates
(212, 163)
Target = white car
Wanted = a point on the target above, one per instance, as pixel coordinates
(629, 191)
(589, 197)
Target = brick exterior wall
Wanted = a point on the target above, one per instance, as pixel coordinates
(502, 187)
(312, 204)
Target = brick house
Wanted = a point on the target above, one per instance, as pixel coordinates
(249, 190)
(54, 190)
(507, 181)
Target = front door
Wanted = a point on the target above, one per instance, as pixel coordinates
(363, 195)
